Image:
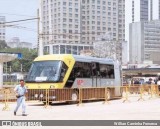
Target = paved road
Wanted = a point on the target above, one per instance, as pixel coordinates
(116, 110)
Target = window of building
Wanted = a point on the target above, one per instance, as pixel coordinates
(76, 10)
(98, 28)
(70, 9)
(64, 19)
(76, 20)
(70, 4)
(93, 22)
(109, 3)
(70, 14)
(64, 3)
(98, 23)
(76, 4)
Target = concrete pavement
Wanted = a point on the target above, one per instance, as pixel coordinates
(116, 110)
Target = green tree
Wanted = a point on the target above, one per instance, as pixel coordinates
(21, 65)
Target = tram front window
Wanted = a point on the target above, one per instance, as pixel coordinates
(44, 71)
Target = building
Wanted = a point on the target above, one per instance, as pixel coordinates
(60, 48)
(135, 11)
(140, 10)
(60, 21)
(81, 21)
(15, 43)
(125, 52)
(144, 42)
(154, 9)
(2, 28)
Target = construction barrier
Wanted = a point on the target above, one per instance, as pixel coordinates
(4, 98)
(79, 95)
(141, 91)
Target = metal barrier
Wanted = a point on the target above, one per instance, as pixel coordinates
(4, 98)
(143, 91)
(78, 95)
(2, 94)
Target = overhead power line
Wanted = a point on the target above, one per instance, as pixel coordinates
(19, 20)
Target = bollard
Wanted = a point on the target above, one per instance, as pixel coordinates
(141, 93)
(126, 95)
(6, 105)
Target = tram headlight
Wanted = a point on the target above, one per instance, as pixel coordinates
(52, 86)
(36, 95)
(41, 95)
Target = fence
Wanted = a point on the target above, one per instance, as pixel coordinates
(79, 95)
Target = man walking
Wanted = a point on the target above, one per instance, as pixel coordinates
(20, 91)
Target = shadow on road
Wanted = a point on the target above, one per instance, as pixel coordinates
(68, 103)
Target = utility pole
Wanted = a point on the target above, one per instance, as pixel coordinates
(21, 68)
(40, 36)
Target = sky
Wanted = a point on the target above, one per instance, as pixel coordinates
(19, 10)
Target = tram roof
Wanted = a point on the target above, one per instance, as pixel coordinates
(82, 58)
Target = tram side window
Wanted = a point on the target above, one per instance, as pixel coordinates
(82, 70)
(95, 69)
(107, 71)
(64, 69)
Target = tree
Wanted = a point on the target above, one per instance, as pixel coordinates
(105, 49)
(3, 44)
(21, 65)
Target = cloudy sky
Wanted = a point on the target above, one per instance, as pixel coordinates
(18, 10)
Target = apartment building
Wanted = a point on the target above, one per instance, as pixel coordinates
(81, 21)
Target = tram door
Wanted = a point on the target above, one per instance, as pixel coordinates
(96, 78)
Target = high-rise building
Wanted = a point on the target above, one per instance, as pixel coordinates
(60, 21)
(2, 28)
(135, 11)
(93, 20)
(154, 9)
(81, 21)
(140, 10)
(145, 42)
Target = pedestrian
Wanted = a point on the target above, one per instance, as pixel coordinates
(20, 91)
